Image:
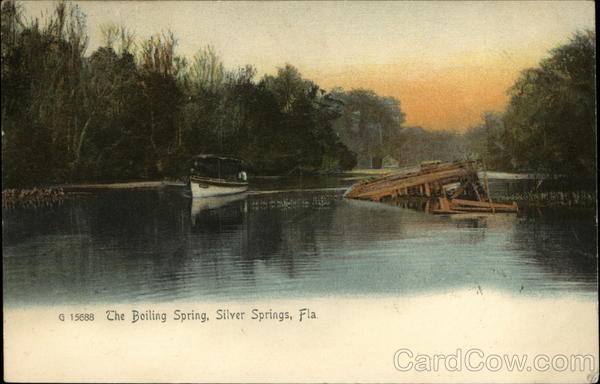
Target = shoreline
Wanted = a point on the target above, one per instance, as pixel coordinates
(353, 172)
(123, 185)
(38, 196)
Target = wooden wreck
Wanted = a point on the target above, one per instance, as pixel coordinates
(448, 187)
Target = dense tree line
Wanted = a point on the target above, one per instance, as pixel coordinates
(549, 124)
(134, 109)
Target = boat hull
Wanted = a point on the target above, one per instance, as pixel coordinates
(212, 188)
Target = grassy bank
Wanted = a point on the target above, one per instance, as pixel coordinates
(36, 197)
(32, 197)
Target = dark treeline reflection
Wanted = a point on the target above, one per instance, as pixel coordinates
(128, 246)
(123, 244)
(565, 242)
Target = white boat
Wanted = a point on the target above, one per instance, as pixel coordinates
(214, 175)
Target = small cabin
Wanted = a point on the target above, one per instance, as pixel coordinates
(389, 162)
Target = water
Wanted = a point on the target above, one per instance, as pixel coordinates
(280, 242)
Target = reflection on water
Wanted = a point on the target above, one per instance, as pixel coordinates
(160, 245)
(206, 206)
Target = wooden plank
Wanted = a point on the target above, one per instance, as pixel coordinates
(441, 211)
(478, 209)
(454, 209)
(474, 187)
(407, 183)
(470, 203)
(444, 204)
(382, 182)
(424, 183)
(459, 190)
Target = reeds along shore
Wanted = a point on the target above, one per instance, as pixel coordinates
(34, 197)
(551, 198)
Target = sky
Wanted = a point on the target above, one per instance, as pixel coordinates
(447, 62)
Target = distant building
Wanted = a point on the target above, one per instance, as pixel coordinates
(389, 162)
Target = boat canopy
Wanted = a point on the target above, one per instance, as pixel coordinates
(220, 157)
(217, 166)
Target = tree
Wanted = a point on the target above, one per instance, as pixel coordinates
(550, 120)
(160, 71)
(285, 138)
(369, 125)
(419, 145)
(136, 110)
(488, 142)
(42, 84)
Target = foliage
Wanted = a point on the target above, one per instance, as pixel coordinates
(551, 117)
(42, 78)
(550, 122)
(422, 145)
(487, 142)
(134, 109)
(370, 125)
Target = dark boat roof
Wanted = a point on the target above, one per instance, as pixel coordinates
(219, 157)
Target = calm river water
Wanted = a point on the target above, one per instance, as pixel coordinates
(281, 241)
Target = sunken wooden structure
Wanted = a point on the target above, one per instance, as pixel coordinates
(449, 187)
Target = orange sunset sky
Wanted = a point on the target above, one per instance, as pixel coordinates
(447, 62)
